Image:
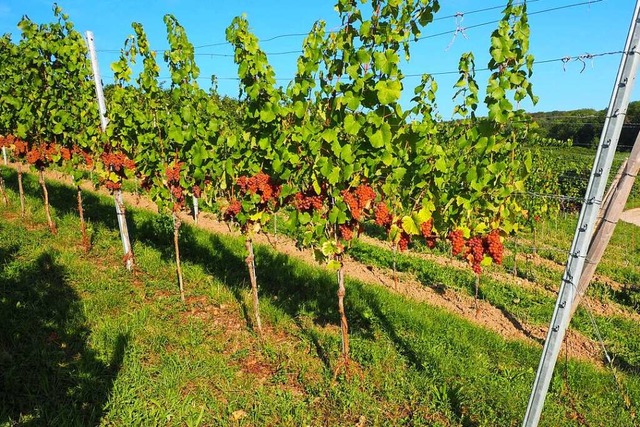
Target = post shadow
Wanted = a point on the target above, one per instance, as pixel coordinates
(48, 374)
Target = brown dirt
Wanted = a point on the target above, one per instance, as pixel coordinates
(631, 216)
(597, 307)
(462, 305)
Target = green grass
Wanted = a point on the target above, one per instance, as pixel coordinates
(84, 342)
(533, 306)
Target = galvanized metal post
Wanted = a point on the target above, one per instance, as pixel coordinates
(117, 194)
(587, 220)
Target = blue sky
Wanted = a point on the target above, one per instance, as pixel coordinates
(593, 27)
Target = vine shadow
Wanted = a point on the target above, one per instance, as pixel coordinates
(48, 374)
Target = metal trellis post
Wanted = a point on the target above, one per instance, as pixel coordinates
(587, 220)
(117, 194)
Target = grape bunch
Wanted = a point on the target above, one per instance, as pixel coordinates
(20, 147)
(358, 200)
(117, 163)
(493, 246)
(346, 231)
(475, 253)
(34, 156)
(77, 151)
(426, 228)
(403, 242)
(477, 247)
(307, 201)
(232, 210)
(457, 241)
(382, 214)
(172, 173)
(260, 184)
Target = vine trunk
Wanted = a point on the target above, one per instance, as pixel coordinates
(47, 210)
(251, 265)
(3, 191)
(176, 246)
(86, 243)
(21, 190)
(344, 326)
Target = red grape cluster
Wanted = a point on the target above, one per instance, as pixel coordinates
(34, 156)
(475, 253)
(260, 184)
(346, 231)
(426, 228)
(77, 151)
(112, 185)
(403, 242)
(382, 214)
(7, 141)
(20, 147)
(494, 246)
(65, 153)
(457, 241)
(358, 200)
(172, 172)
(117, 163)
(477, 247)
(42, 154)
(307, 201)
(232, 210)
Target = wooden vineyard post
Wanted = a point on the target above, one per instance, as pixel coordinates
(618, 195)
(47, 210)
(344, 325)
(117, 194)
(251, 265)
(86, 243)
(2, 189)
(21, 190)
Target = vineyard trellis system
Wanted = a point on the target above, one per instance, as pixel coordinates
(332, 152)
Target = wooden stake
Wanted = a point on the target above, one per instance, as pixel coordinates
(615, 201)
(45, 193)
(4, 193)
(344, 326)
(21, 191)
(86, 243)
(251, 265)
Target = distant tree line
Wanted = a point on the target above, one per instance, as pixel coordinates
(583, 126)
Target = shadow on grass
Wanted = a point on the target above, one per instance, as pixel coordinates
(48, 375)
(296, 291)
(291, 287)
